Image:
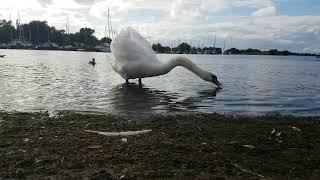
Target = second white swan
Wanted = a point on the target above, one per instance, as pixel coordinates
(133, 58)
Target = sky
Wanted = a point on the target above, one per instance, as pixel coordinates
(264, 24)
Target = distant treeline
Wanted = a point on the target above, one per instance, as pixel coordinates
(38, 32)
(185, 48)
(273, 52)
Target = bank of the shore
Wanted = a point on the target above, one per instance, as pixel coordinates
(203, 146)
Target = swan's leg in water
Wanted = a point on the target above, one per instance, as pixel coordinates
(127, 81)
(140, 83)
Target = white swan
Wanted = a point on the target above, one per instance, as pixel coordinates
(133, 58)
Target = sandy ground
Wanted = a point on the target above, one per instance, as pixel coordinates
(34, 145)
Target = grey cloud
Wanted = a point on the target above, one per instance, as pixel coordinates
(45, 3)
(87, 2)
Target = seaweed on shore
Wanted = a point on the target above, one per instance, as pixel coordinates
(34, 145)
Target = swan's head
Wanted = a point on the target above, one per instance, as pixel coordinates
(214, 80)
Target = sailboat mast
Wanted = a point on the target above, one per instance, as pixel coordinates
(10, 28)
(29, 34)
(67, 26)
(231, 43)
(48, 34)
(109, 22)
(105, 31)
(18, 26)
(38, 39)
(224, 46)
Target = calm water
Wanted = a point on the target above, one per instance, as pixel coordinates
(57, 80)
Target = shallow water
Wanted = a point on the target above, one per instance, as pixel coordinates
(60, 80)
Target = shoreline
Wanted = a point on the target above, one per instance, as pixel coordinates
(88, 50)
(34, 145)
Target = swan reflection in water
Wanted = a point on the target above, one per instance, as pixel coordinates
(132, 98)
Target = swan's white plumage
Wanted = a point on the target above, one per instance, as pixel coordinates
(132, 54)
(133, 57)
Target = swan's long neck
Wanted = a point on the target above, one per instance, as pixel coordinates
(188, 64)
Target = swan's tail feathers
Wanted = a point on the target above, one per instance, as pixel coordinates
(129, 45)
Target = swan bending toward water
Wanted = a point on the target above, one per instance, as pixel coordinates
(133, 58)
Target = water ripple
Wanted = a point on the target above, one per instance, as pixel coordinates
(56, 80)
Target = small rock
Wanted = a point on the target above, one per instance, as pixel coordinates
(204, 143)
(124, 140)
(26, 139)
(278, 134)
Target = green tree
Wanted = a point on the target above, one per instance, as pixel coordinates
(105, 40)
(7, 31)
(184, 47)
(85, 35)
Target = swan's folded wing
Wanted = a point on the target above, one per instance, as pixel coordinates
(129, 45)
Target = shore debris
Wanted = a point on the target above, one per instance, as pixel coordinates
(87, 125)
(273, 131)
(94, 147)
(247, 171)
(22, 150)
(296, 129)
(126, 133)
(249, 146)
(278, 134)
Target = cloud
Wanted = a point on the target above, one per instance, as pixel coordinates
(86, 2)
(267, 11)
(254, 3)
(185, 9)
(282, 32)
(16, 4)
(45, 3)
(197, 9)
(197, 21)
